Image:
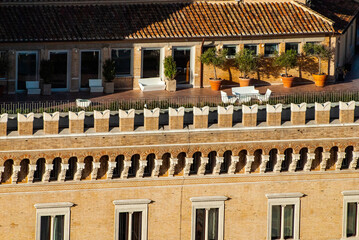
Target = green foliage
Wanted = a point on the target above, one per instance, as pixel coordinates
(4, 64)
(108, 70)
(170, 67)
(287, 60)
(246, 62)
(46, 70)
(214, 58)
(319, 51)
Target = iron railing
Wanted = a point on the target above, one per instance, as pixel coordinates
(165, 102)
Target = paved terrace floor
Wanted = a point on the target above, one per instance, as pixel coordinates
(351, 83)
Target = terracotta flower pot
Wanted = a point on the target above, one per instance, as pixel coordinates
(320, 79)
(215, 84)
(287, 81)
(244, 82)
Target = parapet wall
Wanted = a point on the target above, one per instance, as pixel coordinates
(176, 119)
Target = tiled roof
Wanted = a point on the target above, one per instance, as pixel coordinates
(340, 11)
(44, 22)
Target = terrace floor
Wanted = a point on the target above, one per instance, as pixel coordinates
(351, 83)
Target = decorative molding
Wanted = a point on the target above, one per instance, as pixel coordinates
(309, 163)
(131, 201)
(351, 193)
(77, 116)
(208, 199)
(78, 173)
(347, 105)
(249, 162)
(274, 108)
(101, 115)
(48, 169)
(62, 174)
(126, 167)
(95, 167)
(187, 167)
(126, 114)
(151, 113)
(325, 159)
(263, 165)
(173, 112)
(278, 165)
(141, 169)
(30, 175)
(202, 167)
(233, 166)
(200, 111)
(340, 158)
(354, 162)
(323, 106)
(225, 110)
(173, 163)
(293, 164)
(298, 107)
(284, 195)
(217, 167)
(25, 117)
(15, 174)
(54, 205)
(51, 116)
(250, 109)
(111, 167)
(156, 169)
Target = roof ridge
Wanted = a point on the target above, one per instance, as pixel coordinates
(308, 9)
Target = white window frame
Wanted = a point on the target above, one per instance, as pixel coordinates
(191, 60)
(207, 203)
(284, 199)
(131, 62)
(53, 209)
(230, 45)
(68, 74)
(99, 65)
(17, 62)
(298, 43)
(129, 206)
(350, 197)
(161, 73)
(252, 44)
(270, 55)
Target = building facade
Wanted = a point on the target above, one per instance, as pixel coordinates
(79, 36)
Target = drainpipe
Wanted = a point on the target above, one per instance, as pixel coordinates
(201, 69)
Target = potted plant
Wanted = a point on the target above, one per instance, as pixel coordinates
(321, 52)
(109, 73)
(246, 63)
(287, 60)
(4, 68)
(46, 71)
(214, 58)
(170, 72)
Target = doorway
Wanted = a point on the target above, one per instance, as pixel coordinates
(27, 69)
(89, 67)
(182, 57)
(59, 79)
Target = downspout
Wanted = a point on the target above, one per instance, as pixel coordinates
(201, 68)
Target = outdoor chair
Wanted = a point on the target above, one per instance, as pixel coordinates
(228, 99)
(265, 97)
(33, 88)
(244, 98)
(95, 85)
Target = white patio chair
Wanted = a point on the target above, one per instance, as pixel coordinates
(228, 99)
(265, 97)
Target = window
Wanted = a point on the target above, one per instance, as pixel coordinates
(90, 66)
(270, 49)
(27, 68)
(292, 46)
(131, 219)
(232, 50)
(122, 58)
(53, 221)
(3, 60)
(350, 215)
(205, 48)
(252, 47)
(60, 65)
(208, 217)
(151, 63)
(283, 215)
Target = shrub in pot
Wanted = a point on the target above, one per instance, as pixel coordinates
(170, 71)
(287, 60)
(322, 53)
(246, 62)
(216, 59)
(109, 73)
(46, 71)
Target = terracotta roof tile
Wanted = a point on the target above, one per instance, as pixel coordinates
(46, 22)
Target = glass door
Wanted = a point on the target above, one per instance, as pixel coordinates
(89, 67)
(151, 65)
(26, 69)
(60, 77)
(182, 57)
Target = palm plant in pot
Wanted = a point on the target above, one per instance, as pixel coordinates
(216, 59)
(170, 72)
(246, 63)
(46, 71)
(322, 53)
(287, 60)
(109, 73)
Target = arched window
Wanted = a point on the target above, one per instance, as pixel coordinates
(40, 170)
